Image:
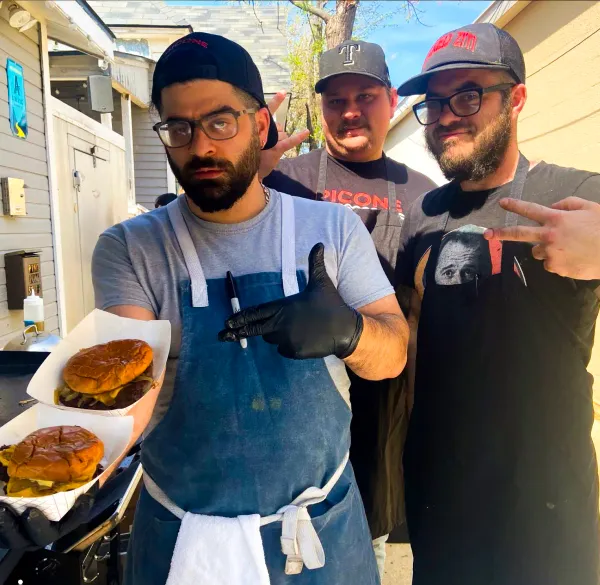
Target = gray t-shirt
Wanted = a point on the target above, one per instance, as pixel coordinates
(139, 262)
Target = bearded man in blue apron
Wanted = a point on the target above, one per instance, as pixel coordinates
(256, 429)
(500, 469)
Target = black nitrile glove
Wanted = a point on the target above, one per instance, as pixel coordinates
(32, 530)
(312, 324)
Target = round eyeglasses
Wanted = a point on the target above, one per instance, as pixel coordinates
(464, 103)
(218, 126)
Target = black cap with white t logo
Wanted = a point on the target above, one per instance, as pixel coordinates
(356, 57)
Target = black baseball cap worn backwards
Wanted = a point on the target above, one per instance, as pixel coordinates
(356, 57)
(476, 46)
(205, 56)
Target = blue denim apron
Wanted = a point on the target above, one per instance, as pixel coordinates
(247, 431)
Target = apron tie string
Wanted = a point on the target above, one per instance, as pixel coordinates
(300, 542)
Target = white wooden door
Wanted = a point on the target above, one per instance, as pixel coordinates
(94, 214)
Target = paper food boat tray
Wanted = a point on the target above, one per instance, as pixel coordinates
(115, 433)
(100, 327)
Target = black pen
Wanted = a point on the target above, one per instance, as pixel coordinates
(235, 302)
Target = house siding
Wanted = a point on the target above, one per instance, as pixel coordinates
(27, 160)
(150, 161)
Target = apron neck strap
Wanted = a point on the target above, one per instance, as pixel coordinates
(516, 192)
(190, 256)
(194, 267)
(391, 186)
(517, 187)
(288, 246)
(322, 179)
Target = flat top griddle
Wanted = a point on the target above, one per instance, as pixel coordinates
(16, 370)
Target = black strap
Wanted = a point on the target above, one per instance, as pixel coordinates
(322, 175)
(516, 189)
(391, 186)
(322, 180)
(516, 192)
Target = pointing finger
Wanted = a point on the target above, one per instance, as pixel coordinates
(276, 101)
(253, 315)
(530, 210)
(518, 233)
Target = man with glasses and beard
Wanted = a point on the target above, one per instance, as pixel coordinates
(252, 451)
(500, 469)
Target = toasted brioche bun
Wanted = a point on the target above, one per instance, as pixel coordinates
(103, 368)
(62, 454)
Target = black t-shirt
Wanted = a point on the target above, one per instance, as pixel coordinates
(575, 305)
(361, 186)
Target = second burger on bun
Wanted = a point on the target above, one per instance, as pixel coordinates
(108, 376)
(51, 460)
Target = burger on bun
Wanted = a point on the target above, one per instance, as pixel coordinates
(107, 376)
(51, 460)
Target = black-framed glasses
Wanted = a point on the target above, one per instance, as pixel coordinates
(219, 126)
(466, 102)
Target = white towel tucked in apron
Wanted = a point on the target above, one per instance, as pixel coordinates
(213, 550)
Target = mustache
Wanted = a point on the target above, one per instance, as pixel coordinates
(451, 128)
(206, 162)
(353, 126)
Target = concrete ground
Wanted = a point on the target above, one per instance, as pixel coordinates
(398, 565)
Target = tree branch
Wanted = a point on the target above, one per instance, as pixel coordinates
(322, 14)
(258, 19)
(411, 7)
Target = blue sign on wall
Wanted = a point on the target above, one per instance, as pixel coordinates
(16, 99)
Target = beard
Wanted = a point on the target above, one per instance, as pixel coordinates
(221, 193)
(489, 149)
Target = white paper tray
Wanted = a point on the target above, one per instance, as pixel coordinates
(101, 327)
(115, 433)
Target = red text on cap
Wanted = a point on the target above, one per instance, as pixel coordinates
(464, 40)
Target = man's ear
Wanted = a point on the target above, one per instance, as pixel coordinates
(519, 98)
(263, 122)
(393, 101)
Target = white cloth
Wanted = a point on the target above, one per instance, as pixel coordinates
(212, 550)
(209, 547)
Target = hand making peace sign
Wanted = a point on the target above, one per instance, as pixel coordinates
(567, 239)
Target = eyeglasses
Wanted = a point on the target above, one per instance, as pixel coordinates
(221, 126)
(463, 103)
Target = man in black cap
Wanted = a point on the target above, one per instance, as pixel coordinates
(357, 102)
(247, 479)
(500, 470)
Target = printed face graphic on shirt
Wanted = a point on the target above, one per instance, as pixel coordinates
(464, 255)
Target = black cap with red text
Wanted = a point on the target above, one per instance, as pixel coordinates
(476, 46)
(205, 56)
